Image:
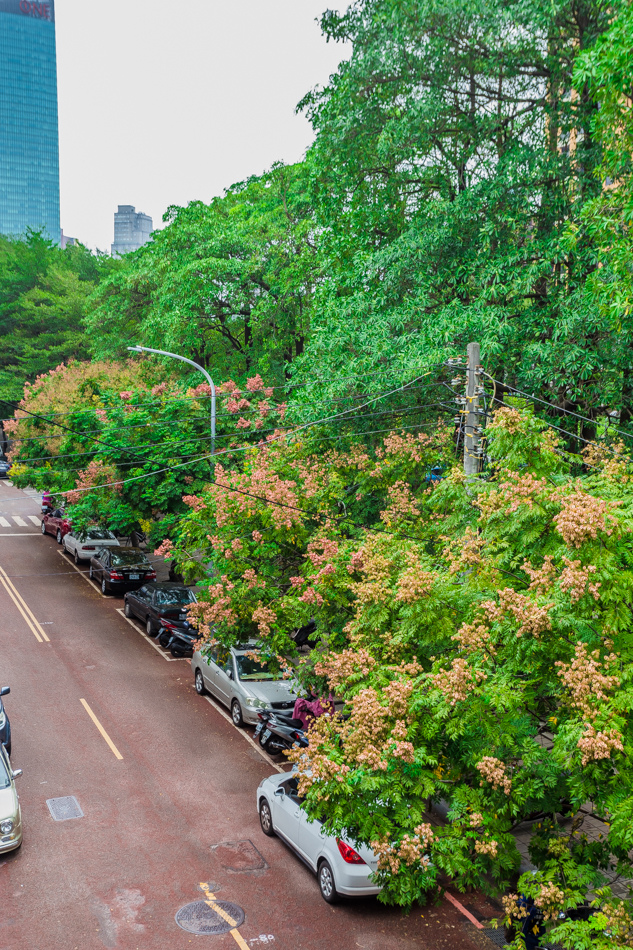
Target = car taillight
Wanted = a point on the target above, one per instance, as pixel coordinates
(348, 854)
(115, 576)
(151, 575)
(89, 547)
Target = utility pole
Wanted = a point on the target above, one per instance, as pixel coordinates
(472, 427)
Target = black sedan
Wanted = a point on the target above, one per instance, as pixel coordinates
(121, 569)
(5, 468)
(5, 725)
(157, 604)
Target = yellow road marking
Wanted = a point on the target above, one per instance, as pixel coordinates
(211, 902)
(101, 729)
(23, 607)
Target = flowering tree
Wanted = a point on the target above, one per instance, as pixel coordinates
(478, 632)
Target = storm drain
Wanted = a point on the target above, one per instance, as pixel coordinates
(199, 918)
(497, 937)
(62, 809)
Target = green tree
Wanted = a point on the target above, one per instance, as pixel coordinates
(43, 294)
(230, 283)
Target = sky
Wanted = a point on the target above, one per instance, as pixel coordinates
(162, 102)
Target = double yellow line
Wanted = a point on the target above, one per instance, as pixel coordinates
(23, 607)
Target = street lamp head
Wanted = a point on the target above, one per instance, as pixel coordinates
(136, 349)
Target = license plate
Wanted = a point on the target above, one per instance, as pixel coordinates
(258, 728)
(266, 736)
(135, 577)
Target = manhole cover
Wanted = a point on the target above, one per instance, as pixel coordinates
(62, 809)
(199, 918)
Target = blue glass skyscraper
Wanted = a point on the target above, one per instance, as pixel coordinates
(29, 141)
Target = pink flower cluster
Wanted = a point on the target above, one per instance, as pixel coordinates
(493, 770)
(457, 681)
(264, 617)
(581, 517)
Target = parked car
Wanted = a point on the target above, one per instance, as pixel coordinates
(5, 725)
(83, 544)
(120, 569)
(56, 523)
(156, 603)
(341, 868)
(10, 815)
(5, 468)
(241, 683)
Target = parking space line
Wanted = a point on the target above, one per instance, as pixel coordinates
(83, 574)
(20, 603)
(170, 659)
(242, 732)
(101, 729)
(211, 902)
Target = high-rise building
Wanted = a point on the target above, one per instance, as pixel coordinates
(131, 230)
(29, 142)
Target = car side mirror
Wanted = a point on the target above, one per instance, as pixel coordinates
(17, 773)
(280, 792)
(5, 691)
(229, 673)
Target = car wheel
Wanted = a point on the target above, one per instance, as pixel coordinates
(149, 627)
(76, 556)
(199, 681)
(104, 586)
(43, 528)
(236, 713)
(90, 573)
(127, 610)
(326, 883)
(266, 819)
(59, 535)
(8, 748)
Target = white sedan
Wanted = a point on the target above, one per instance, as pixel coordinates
(341, 869)
(10, 815)
(83, 544)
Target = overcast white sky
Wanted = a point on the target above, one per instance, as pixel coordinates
(166, 101)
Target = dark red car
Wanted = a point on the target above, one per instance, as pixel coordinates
(56, 523)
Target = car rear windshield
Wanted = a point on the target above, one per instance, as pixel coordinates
(5, 779)
(179, 596)
(128, 557)
(99, 534)
(248, 669)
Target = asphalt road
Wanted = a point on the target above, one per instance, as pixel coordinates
(165, 783)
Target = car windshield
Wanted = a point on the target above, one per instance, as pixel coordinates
(99, 534)
(250, 669)
(178, 597)
(123, 557)
(5, 778)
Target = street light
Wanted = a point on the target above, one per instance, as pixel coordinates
(147, 349)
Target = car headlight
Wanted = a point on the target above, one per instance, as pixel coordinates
(6, 827)
(253, 703)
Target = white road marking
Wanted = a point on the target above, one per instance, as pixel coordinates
(5, 523)
(170, 659)
(22, 534)
(34, 519)
(242, 732)
(21, 523)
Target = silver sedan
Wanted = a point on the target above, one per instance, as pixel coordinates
(10, 815)
(241, 683)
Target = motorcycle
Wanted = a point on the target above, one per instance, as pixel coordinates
(277, 732)
(178, 638)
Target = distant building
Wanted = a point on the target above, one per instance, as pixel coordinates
(131, 230)
(68, 241)
(29, 141)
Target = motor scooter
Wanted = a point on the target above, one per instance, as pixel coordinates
(277, 732)
(178, 638)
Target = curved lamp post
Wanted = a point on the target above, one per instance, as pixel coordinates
(147, 349)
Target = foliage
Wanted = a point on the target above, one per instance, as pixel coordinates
(478, 632)
(43, 294)
(229, 283)
(143, 443)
